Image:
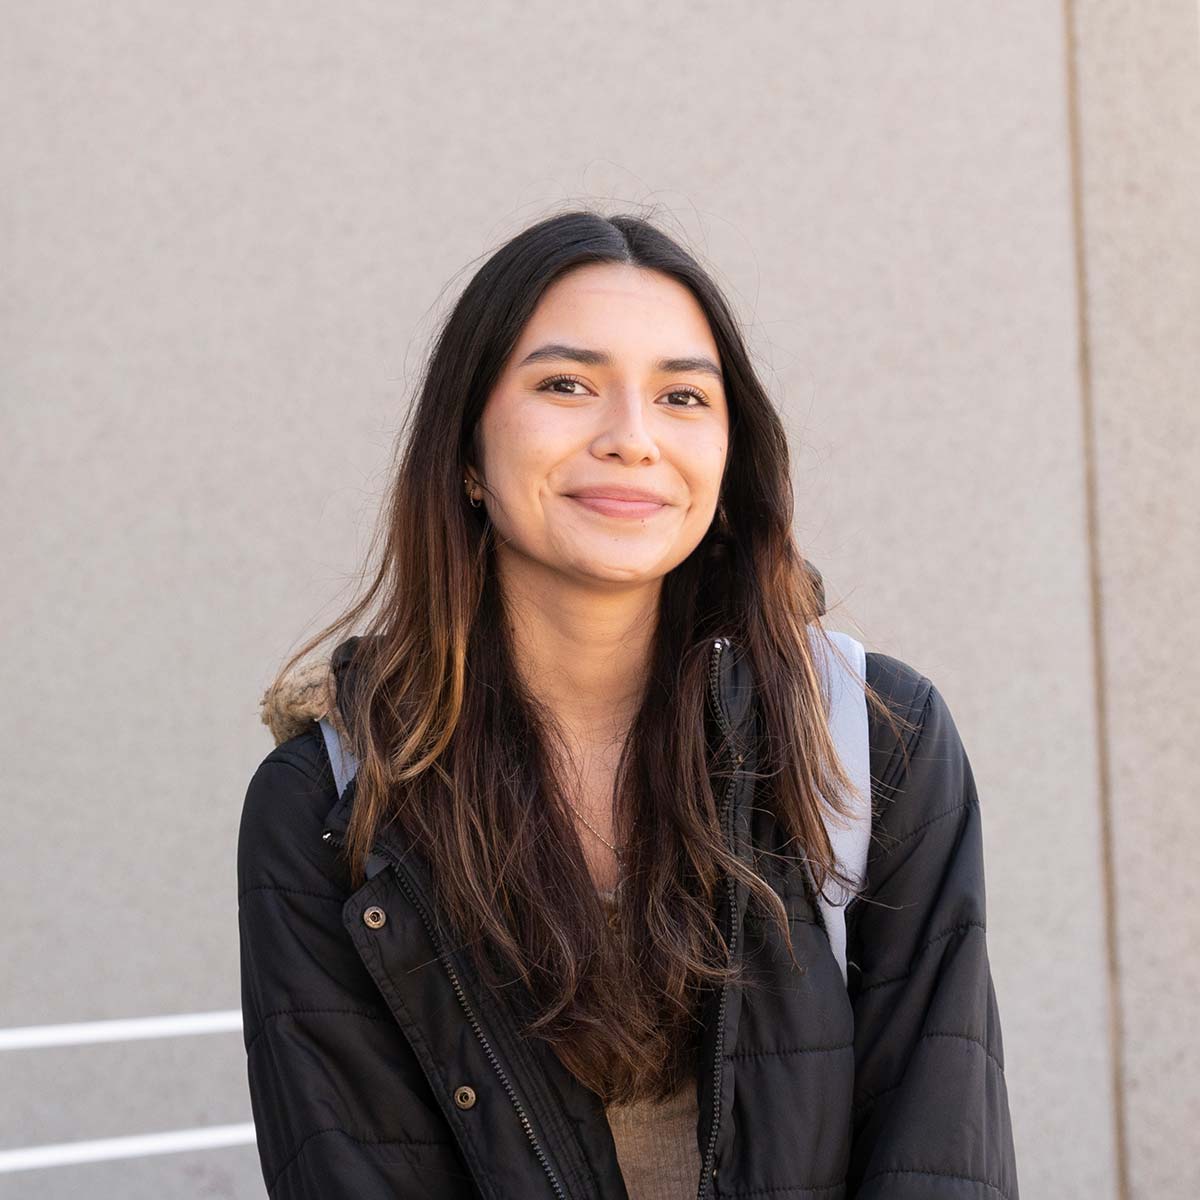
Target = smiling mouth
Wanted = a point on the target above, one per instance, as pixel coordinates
(610, 506)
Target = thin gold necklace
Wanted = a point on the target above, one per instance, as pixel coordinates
(618, 851)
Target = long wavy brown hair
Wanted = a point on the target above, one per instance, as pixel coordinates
(457, 753)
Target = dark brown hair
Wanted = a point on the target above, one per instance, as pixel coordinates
(455, 751)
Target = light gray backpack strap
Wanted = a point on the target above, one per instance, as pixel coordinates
(345, 767)
(344, 764)
(848, 725)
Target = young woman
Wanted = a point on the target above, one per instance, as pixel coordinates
(559, 936)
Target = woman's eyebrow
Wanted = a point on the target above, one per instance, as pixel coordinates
(557, 351)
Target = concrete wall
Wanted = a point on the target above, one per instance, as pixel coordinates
(1137, 114)
(964, 237)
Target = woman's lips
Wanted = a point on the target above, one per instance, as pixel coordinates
(608, 506)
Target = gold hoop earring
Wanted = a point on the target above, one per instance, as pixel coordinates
(476, 501)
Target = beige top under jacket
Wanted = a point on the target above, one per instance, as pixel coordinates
(656, 1143)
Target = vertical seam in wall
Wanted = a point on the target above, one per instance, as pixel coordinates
(1116, 1022)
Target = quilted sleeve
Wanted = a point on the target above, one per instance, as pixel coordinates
(931, 1116)
(341, 1109)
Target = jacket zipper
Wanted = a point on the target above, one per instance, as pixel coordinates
(518, 1107)
(706, 1170)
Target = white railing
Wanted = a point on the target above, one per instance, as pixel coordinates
(85, 1033)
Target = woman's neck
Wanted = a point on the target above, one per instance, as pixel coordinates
(583, 653)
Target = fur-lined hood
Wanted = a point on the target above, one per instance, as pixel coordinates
(310, 691)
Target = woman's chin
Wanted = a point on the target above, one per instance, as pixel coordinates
(626, 568)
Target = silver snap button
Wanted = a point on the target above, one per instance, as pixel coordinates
(464, 1096)
(374, 917)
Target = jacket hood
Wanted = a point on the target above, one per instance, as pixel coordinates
(312, 690)
(309, 692)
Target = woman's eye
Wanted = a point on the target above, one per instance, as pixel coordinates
(548, 384)
(699, 397)
(552, 385)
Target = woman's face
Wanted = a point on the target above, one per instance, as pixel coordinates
(591, 399)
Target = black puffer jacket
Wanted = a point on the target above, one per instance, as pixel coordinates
(378, 1069)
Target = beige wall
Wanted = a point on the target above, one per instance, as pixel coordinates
(1138, 227)
(964, 238)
